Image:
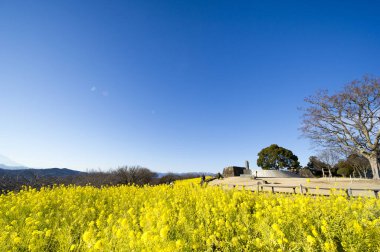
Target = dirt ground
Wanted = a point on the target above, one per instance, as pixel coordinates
(317, 185)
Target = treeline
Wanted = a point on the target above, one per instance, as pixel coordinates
(121, 176)
(327, 165)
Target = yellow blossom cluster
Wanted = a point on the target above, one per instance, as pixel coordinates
(184, 217)
(195, 181)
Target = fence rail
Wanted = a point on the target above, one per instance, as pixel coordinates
(305, 189)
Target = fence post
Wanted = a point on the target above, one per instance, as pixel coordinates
(376, 192)
(301, 188)
(294, 190)
(272, 189)
(349, 192)
(258, 186)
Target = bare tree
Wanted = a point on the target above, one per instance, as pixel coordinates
(134, 175)
(330, 157)
(360, 164)
(348, 120)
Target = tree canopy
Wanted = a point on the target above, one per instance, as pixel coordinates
(316, 165)
(354, 165)
(275, 157)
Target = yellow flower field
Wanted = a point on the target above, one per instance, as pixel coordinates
(184, 217)
(195, 181)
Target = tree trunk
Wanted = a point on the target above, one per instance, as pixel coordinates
(374, 166)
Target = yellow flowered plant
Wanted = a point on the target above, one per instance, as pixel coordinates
(184, 217)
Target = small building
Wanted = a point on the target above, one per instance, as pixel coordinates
(232, 171)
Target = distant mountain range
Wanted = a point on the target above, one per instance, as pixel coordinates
(7, 167)
(4, 161)
(10, 168)
(23, 171)
(26, 172)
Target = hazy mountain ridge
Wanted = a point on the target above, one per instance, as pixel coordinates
(8, 167)
(29, 172)
(6, 170)
(11, 168)
(10, 164)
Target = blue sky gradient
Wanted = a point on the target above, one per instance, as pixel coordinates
(171, 85)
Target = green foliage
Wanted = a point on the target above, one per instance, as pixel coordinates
(355, 165)
(275, 157)
(316, 164)
(345, 169)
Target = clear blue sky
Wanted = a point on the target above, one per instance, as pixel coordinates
(171, 85)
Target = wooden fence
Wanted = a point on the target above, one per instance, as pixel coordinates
(305, 189)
